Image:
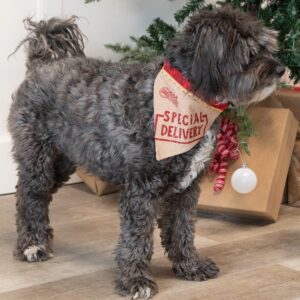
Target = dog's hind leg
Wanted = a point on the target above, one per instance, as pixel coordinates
(36, 179)
(134, 249)
(177, 225)
(39, 177)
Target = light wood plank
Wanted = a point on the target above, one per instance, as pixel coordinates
(257, 260)
(270, 282)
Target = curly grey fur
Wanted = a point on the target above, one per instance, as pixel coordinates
(53, 39)
(77, 111)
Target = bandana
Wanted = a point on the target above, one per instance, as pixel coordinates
(181, 118)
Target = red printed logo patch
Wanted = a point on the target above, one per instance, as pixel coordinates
(165, 92)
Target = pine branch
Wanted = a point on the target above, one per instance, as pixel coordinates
(118, 48)
(246, 129)
(148, 46)
(187, 9)
(132, 54)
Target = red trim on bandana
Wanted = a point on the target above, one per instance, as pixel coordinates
(177, 75)
(218, 105)
(184, 82)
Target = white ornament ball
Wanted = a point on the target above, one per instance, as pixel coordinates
(243, 180)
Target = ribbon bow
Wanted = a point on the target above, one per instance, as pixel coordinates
(226, 148)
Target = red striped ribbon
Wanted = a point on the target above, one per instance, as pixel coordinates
(226, 149)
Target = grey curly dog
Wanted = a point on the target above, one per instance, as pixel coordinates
(76, 111)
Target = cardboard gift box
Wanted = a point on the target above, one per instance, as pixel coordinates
(98, 186)
(290, 98)
(293, 182)
(271, 152)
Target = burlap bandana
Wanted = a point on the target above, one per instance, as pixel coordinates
(181, 118)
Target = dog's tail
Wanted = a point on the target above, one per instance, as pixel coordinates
(51, 40)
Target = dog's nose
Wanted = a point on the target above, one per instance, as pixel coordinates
(280, 70)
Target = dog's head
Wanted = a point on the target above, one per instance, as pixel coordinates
(227, 55)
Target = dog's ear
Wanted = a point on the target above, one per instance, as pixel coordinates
(217, 54)
(206, 70)
(220, 50)
(195, 54)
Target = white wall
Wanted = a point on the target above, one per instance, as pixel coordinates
(105, 22)
(11, 73)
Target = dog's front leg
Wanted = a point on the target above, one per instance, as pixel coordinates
(177, 233)
(135, 247)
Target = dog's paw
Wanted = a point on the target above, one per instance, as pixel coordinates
(137, 288)
(198, 270)
(37, 253)
(34, 253)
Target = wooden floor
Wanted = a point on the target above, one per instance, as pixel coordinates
(257, 260)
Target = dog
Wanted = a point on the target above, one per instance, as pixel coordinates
(72, 111)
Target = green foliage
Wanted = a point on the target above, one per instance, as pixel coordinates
(284, 16)
(246, 129)
(90, 1)
(187, 9)
(251, 6)
(147, 46)
(153, 43)
(158, 33)
(130, 53)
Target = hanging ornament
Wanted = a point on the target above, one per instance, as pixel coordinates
(243, 180)
(226, 149)
(235, 129)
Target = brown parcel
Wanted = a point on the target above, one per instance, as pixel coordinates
(98, 186)
(270, 157)
(293, 186)
(291, 99)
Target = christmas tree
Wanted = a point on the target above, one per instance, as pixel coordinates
(281, 15)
